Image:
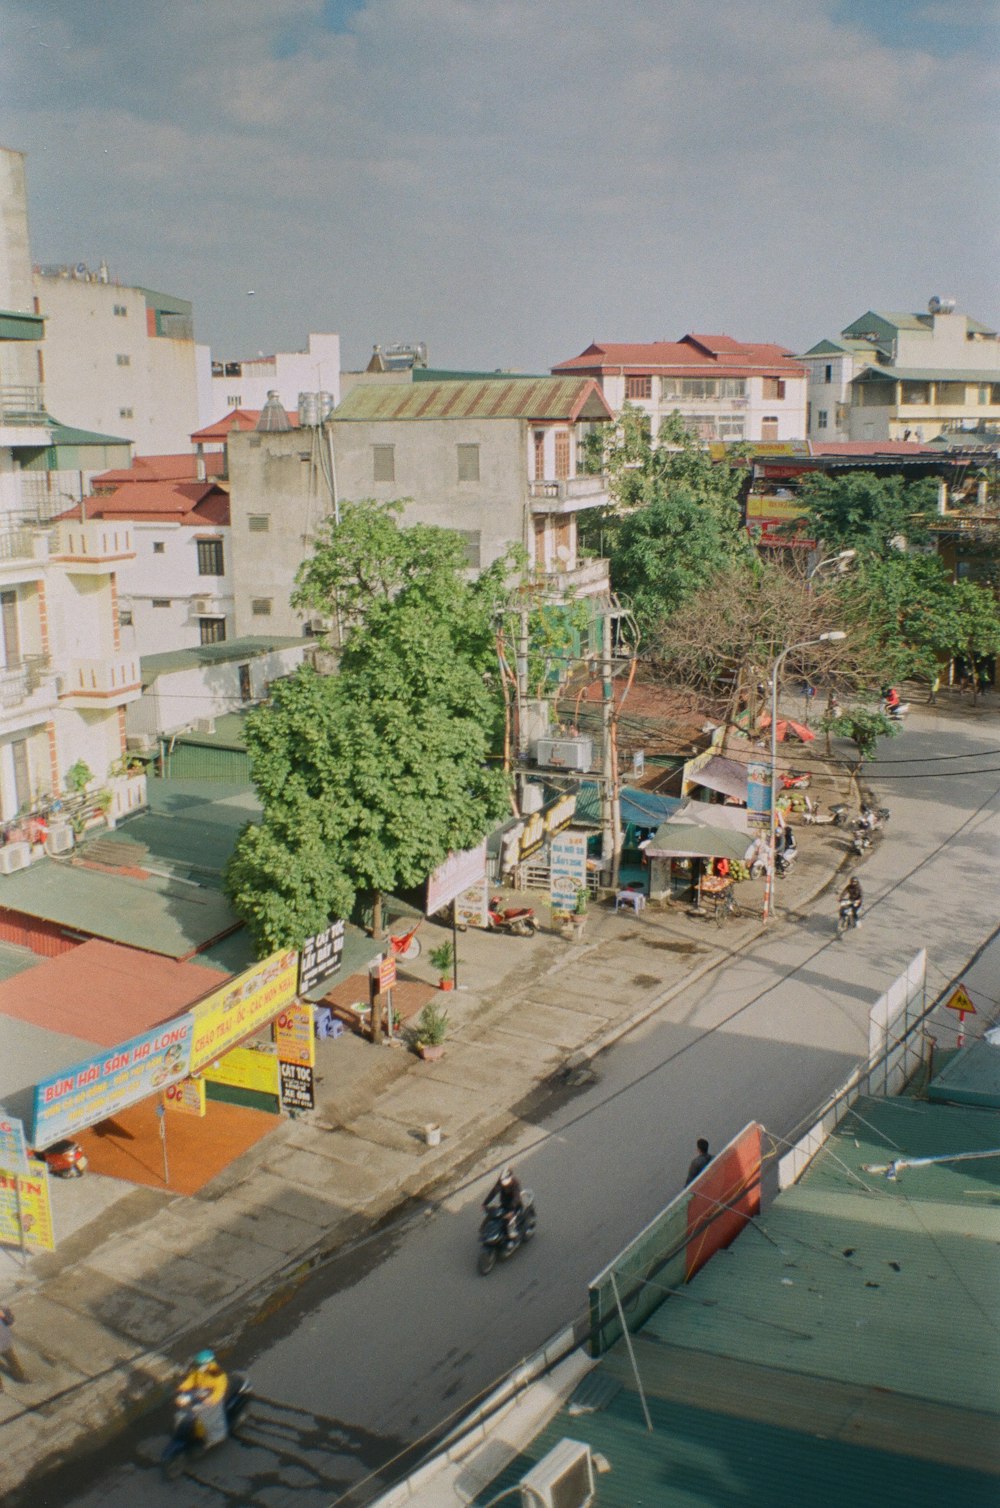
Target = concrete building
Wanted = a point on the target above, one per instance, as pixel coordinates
(904, 377)
(246, 383)
(118, 358)
(191, 688)
(24, 426)
(497, 461)
(724, 389)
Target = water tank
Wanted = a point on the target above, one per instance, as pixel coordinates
(308, 410)
(565, 753)
(326, 405)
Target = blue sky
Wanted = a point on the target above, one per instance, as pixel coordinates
(507, 180)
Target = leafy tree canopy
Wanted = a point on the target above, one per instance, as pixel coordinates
(866, 512)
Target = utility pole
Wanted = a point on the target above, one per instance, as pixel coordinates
(608, 792)
(521, 745)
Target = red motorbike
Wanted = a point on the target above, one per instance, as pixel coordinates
(65, 1159)
(796, 780)
(519, 921)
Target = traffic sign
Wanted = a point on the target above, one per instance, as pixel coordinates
(959, 1001)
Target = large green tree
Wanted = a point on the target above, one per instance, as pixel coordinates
(866, 512)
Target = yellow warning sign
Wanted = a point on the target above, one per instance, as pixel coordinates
(959, 1001)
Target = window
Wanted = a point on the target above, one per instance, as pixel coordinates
(123, 361)
(234, 400)
(261, 607)
(212, 630)
(471, 539)
(774, 387)
(210, 557)
(769, 427)
(828, 373)
(125, 618)
(562, 454)
(121, 310)
(539, 455)
(383, 463)
(161, 601)
(822, 418)
(259, 523)
(468, 463)
(125, 413)
(638, 387)
(731, 429)
(919, 392)
(159, 547)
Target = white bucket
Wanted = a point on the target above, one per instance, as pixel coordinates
(432, 1136)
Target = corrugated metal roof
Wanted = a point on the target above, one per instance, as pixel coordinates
(198, 655)
(529, 398)
(931, 374)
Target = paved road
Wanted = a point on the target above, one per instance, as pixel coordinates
(380, 1346)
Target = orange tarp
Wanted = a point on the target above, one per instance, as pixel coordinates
(198, 1147)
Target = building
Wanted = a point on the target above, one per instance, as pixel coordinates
(247, 383)
(24, 427)
(499, 461)
(724, 389)
(119, 359)
(176, 592)
(193, 688)
(904, 377)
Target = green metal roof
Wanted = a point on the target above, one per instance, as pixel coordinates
(15, 324)
(971, 1076)
(65, 434)
(932, 374)
(198, 655)
(838, 348)
(441, 374)
(510, 398)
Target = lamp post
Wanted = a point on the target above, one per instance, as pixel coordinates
(841, 560)
(834, 634)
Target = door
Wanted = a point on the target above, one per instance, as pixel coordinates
(540, 531)
(562, 455)
(22, 780)
(245, 690)
(11, 631)
(769, 429)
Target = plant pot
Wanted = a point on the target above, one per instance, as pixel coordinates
(446, 984)
(430, 1051)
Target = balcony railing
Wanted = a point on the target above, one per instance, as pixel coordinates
(20, 404)
(19, 679)
(101, 681)
(573, 489)
(17, 544)
(92, 543)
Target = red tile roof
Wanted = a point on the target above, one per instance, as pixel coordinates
(871, 448)
(174, 468)
(706, 353)
(238, 419)
(104, 993)
(161, 502)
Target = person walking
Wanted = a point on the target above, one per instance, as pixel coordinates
(700, 1162)
(8, 1352)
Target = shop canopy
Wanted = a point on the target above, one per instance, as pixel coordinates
(711, 814)
(727, 776)
(786, 727)
(691, 840)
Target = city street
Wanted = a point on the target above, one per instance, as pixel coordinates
(384, 1345)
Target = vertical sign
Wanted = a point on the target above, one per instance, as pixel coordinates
(297, 1092)
(187, 1097)
(321, 956)
(13, 1150)
(759, 796)
(25, 1209)
(294, 1036)
(568, 874)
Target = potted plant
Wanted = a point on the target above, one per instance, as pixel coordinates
(431, 1030)
(443, 959)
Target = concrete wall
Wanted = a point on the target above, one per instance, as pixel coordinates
(171, 575)
(15, 250)
(268, 479)
(829, 397)
(946, 345)
(179, 699)
(316, 369)
(748, 412)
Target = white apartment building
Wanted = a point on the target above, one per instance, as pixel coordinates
(724, 389)
(118, 359)
(246, 383)
(896, 376)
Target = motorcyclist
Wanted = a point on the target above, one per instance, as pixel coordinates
(852, 896)
(868, 820)
(207, 1384)
(891, 698)
(507, 1190)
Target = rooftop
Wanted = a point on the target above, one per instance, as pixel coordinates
(199, 656)
(165, 468)
(529, 398)
(692, 353)
(198, 504)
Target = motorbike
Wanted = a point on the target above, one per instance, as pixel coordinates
(64, 1159)
(495, 1243)
(784, 858)
(847, 917)
(519, 921)
(896, 712)
(795, 780)
(186, 1439)
(812, 815)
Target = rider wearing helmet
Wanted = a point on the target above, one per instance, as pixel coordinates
(508, 1190)
(207, 1383)
(852, 896)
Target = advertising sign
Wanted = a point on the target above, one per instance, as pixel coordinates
(758, 797)
(470, 906)
(384, 973)
(26, 1210)
(187, 1097)
(91, 1091)
(322, 955)
(568, 870)
(297, 1091)
(294, 1036)
(13, 1148)
(253, 1068)
(544, 824)
(242, 1006)
(458, 872)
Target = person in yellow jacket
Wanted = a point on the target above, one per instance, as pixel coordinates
(207, 1384)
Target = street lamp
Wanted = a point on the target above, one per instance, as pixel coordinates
(827, 638)
(841, 560)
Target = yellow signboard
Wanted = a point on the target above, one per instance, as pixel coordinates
(242, 1006)
(25, 1209)
(959, 1001)
(294, 1036)
(247, 1068)
(187, 1097)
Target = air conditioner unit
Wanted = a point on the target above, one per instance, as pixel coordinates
(14, 856)
(59, 840)
(562, 1479)
(204, 725)
(203, 605)
(565, 753)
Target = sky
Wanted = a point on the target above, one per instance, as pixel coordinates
(508, 180)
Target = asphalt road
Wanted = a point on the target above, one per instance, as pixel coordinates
(381, 1346)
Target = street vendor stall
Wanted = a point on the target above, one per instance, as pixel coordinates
(678, 852)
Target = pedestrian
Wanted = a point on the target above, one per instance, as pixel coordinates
(700, 1162)
(11, 1360)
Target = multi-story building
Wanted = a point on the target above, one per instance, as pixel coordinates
(247, 383)
(118, 359)
(724, 389)
(905, 377)
(499, 461)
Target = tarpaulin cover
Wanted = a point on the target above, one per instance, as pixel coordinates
(725, 775)
(690, 840)
(711, 814)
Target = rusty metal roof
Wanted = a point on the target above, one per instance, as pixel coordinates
(529, 398)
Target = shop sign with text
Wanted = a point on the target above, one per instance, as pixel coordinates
(458, 872)
(91, 1091)
(242, 1006)
(187, 1097)
(26, 1209)
(253, 1068)
(544, 824)
(294, 1036)
(297, 1091)
(322, 955)
(568, 870)
(758, 796)
(13, 1147)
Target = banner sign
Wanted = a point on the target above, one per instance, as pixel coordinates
(294, 1036)
(544, 824)
(470, 906)
(322, 955)
(758, 796)
(242, 1006)
(297, 1091)
(384, 973)
(91, 1091)
(458, 872)
(568, 870)
(26, 1209)
(187, 1097)
(253, 1068)
(13, 1148)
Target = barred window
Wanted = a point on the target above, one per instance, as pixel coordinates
(638, 387)
(383, 463)
(261, 607)
(210, 557)
(468, 463)
(259, 523)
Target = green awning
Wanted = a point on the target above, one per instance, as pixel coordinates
(17, 326)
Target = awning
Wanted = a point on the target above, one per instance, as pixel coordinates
(689, 840)
(786, 727)
(710, 814)
(725, 775)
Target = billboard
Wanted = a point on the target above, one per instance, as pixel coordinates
(322, 955)
(568, 874)
(460, 871)
(759, 797)
(116, 1078)
(26, 1210)
(242, 1006)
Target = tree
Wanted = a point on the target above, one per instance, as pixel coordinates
(975, 632)
(866, 512)
(864, 726)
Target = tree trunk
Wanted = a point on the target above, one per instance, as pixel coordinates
(377, 914)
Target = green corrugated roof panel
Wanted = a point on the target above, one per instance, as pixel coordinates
(989, 377)
(970, 1077)
(440, 374)
(510, 398)
(15, 324)
(214, 654)
(66, 434)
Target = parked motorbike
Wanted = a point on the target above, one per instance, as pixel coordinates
(812, 814)
(495, 1242)
(64, 1159)
(519, 921)
(784, 859)
(186, 1439)
(795, 781)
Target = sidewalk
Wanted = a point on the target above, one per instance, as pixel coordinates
(104, 1322)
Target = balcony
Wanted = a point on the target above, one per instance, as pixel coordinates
(27, 693)
(588, 578)
(111, 682)
(91, 549)
(23, 420)
(569, 496)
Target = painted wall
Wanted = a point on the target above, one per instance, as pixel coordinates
(289, 373)
(179, 699)
(171, 575)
